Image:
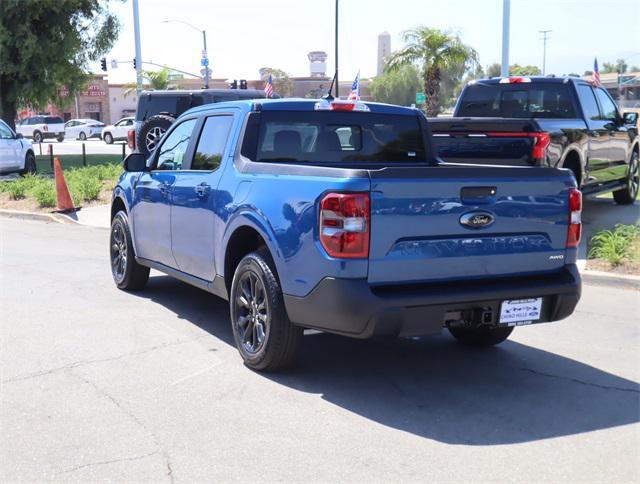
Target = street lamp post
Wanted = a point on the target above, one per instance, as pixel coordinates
(205, 58)
(545, 37)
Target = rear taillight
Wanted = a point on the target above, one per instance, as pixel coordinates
(541, 143)
(345, 225)
(131, 139)
(575, 218)
(45, 128)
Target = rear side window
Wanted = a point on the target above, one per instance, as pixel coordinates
(517, 101)
(333, 137)
(588, 102)
(53, 120)
(212, 142)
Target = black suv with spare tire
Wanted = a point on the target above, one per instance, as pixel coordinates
(157, 110)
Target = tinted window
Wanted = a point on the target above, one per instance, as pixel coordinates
(175, 146)
(5, 132)
(333, 137)
(588, 102)
(517, 101)
(211, 144)
(609, 110)
(53, 120)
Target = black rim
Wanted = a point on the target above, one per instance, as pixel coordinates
(252, 312)
(634, 177)
(118, 252)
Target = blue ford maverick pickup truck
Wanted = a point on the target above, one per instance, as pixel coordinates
(337, 216)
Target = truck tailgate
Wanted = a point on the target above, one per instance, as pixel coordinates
(508, 142)
(418, 234)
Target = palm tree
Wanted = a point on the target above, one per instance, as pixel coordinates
(434, 52)
(158, 81)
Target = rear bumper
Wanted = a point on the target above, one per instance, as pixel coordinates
(52, 135)
(353, 308)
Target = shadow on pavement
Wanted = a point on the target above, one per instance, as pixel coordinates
(435, 388)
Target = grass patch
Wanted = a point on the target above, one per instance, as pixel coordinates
(617, 246)
(43, 162)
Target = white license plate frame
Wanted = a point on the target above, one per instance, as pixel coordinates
(518, 312)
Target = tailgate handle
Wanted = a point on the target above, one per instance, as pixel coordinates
(477, 192)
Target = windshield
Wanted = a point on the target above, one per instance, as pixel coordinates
(333, 137)
(517, 101)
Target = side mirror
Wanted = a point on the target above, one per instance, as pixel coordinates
(135, 162)
(19, 136)
(630, 118)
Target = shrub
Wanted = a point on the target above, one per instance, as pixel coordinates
(16, 190)
(615, 245)
(89, 188)
(45, 194)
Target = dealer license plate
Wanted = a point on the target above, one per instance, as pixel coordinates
(520, 311)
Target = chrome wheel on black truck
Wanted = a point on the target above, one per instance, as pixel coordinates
(264, 336)
(628, 194)
(126, 272)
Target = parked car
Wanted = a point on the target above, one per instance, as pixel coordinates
(157, 110)
(337, 216)
(16, 153)
(545, 121)
(117, 131)
(83, 129)
(41, 127)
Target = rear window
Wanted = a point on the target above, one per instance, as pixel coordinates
(332, 137)
(517, 101)
(53, 120)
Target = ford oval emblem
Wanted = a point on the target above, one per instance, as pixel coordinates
(477, 220)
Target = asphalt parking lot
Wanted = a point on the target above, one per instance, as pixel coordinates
(98, 384)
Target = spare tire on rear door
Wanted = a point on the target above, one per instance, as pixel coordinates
(152, 131)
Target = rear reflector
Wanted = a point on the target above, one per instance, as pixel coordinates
(541, 141)
(575, 218)
(344, 225)
(131, 139)
(341, 105)
(514, 80)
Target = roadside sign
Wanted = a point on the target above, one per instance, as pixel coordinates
(114, 63)
(420, 98)
(204, 62)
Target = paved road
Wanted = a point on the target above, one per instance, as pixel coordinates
(101, 384)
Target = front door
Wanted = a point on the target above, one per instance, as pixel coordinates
(619, 137)
(195, 200)
(9, 149)
(151, 209)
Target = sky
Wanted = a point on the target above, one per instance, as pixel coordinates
(244, 35)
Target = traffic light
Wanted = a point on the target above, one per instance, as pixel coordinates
(233, 84)
(103, 64)
(134, 63)
(243, 83)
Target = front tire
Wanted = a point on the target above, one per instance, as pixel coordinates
(127, 273)
(481, 336)
(82, 136)
(264, 336)
(60, 139)
(108, 138)
(29, 164)
(628, 194)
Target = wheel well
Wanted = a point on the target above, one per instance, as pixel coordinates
(572, 162)
(243, 241)
(116, 206)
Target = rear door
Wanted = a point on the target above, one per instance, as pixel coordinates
(151, 210)
(423, 222)
(599, 153)
(195, 199)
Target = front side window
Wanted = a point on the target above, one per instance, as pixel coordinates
(174, 147)
(5, 131)
(212, 142)
(609, 109)
(588, 101)
(333, 137)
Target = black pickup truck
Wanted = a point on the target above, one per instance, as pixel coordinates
(545, 121)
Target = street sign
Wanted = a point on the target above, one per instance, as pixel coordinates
(420, 98)
(114, 63)
(204, 62)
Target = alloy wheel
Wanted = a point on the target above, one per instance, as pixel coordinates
(153, 137)
(634, 177)
(118, 252)
(252, 312)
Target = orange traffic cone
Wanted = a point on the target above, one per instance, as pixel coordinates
(65, 204)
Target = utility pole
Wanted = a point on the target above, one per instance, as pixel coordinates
(336, 42)
(544, 49)
(504, 69)
(136, 30)
(205, 57)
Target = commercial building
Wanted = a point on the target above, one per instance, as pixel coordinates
(384, 49)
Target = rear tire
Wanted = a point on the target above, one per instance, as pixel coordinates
(628, 194)
(82, 136)
(151, 132)
(264, 336)
(127, 273)
(108, 138)
(37, 137)
(481, 336)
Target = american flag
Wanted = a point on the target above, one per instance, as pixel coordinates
(268, 87)
(596, 73)
(354, 95)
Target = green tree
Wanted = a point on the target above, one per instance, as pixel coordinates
(157, 80)
(282, 83)
(48, 44)
(398, 86)
(518, 70)
(494, 70)
(434, 52)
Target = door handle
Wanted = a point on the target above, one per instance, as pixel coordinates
(164, 188)
(202, 190)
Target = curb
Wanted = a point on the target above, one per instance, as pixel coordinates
(43, 217)
(619, 281)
